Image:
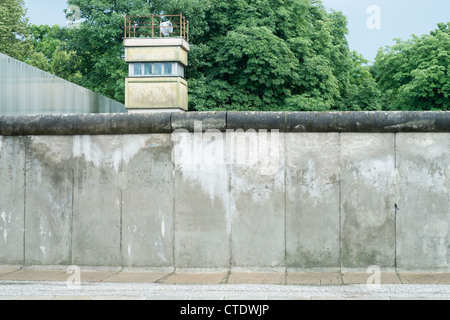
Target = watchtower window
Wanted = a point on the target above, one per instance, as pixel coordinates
(147, 68)
(137, 69)
(168, 68)
(174, 69)
(157, 69)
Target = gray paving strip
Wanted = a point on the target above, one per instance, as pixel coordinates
(33, 289)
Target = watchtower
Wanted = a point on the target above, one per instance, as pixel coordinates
(156, 50)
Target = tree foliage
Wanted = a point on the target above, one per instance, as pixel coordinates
(14, 35)
(274, 54)
(415, 74)
(50, 52)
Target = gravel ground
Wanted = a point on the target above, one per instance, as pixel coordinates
(10, 290)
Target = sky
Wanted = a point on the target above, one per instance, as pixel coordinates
(372, 23)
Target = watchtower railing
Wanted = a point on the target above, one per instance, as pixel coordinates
(150, 26)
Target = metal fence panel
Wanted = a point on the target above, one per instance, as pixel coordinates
(27, 90)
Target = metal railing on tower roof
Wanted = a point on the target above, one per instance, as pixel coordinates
(156, 26)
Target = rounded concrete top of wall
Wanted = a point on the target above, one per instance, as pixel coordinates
(167, 122)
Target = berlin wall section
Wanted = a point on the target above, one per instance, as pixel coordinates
(95, 193)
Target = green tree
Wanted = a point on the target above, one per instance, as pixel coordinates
(361, 91)
(415, 74)
(275, 55)
(47, 39)
(14, 29)
(50, 52)
(39, 60)
(65, 64)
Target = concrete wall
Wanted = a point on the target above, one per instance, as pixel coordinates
(216, 199)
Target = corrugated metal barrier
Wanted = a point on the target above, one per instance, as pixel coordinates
(27, 90)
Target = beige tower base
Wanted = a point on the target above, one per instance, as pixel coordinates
(156, 93)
